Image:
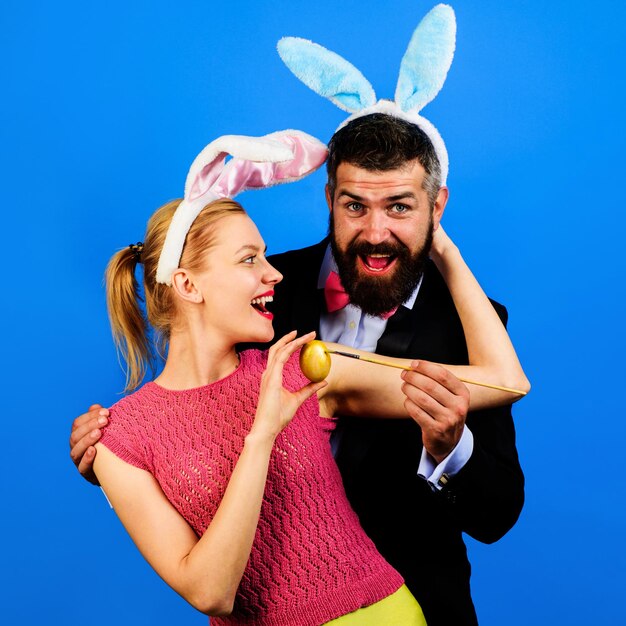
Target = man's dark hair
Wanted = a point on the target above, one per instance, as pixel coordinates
(380, 142)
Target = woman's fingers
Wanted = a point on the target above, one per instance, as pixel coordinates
(286, 346)
(280, 343)
(303, 394)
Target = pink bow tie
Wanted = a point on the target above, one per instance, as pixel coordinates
(337, 298)
(334, 293)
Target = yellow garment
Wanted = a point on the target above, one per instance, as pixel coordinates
(398, 609)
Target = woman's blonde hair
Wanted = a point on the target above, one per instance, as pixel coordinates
(130, 325)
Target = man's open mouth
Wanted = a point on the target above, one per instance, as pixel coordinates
(377, 263)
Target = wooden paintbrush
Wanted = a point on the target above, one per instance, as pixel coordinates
(404, 367)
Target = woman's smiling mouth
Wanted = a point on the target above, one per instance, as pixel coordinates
(258, 304)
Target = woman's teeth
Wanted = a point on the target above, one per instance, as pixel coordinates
(261, 302)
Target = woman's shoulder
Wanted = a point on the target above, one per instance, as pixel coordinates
(139, 404)
(256, 360)
(139, 395)
(132, 426)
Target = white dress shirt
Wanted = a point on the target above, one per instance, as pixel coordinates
(351, 327)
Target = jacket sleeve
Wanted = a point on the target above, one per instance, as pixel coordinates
(487, 494)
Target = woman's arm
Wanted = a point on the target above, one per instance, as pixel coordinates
(207, 571)
(362, 388)
(491, 354)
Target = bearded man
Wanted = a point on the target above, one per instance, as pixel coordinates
(417, 484)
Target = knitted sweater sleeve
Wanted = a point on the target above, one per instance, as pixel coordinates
(124, 435)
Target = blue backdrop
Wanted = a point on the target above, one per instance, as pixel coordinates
(105, 105)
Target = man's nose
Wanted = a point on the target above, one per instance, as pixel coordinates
(375, 227)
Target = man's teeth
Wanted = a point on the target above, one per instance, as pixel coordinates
(377, 262)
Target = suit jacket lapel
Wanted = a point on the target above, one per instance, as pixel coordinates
(403, 325)
(398, 333)
(307, 300)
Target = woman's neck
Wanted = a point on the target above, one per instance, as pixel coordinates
(193, 360)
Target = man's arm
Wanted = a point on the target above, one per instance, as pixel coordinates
(485, 491)
(487, 494)
(86, 432)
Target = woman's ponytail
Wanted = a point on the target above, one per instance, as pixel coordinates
(128, 321)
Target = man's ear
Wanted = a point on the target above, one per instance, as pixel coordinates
(329, 200)
(185, 288)
(440, 205)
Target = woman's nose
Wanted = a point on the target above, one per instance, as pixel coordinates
(272, 275)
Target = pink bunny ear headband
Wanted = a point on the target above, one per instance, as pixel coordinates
(258, 162)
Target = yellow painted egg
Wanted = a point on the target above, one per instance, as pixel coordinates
(315, 361)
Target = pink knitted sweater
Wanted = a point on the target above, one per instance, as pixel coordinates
(311, 561)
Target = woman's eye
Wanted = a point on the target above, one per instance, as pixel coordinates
(250, 259)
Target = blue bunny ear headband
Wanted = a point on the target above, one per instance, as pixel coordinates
(423, 71)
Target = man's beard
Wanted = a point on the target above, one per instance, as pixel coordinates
(377, 295)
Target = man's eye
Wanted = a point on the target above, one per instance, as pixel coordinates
(250, 259)
(355, 207)
(400, 208)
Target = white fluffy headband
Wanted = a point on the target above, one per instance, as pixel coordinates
(258, 162)
(423, 71)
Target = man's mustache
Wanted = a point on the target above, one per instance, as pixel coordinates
(365, 248)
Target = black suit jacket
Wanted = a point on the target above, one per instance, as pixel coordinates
(416, 529)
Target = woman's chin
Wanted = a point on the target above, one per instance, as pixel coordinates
(269, 335)
(259, 335)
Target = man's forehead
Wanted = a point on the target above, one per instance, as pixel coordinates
(409, 175)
